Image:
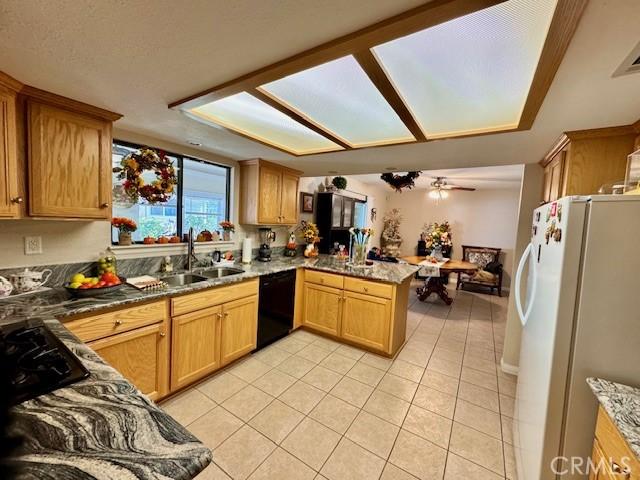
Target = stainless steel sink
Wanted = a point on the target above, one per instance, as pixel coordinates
(221, 272)
(183, 279)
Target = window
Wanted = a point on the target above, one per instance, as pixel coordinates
(201, 200)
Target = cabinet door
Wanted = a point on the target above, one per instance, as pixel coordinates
(366, 320)
(8, 155)
(269, 195)
(195, 346)
(322, 308)
(239, 329)
(336, 211)
(69, 164)
(600, 464)
(141, 356)
(289, 206)
(556, 177)
(348, 205)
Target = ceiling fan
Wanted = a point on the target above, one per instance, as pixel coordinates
(440, 187)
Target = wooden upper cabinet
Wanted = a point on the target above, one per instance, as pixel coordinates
(582, 161)
(69, 163)
(268, 193)
(289, 203)
(9, 198)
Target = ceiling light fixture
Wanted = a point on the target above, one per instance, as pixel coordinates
(438, 194)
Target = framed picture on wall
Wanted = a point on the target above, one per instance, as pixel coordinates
(306, 202)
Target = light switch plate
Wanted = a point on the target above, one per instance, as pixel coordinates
(32, 245)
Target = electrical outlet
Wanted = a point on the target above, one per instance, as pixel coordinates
(32, 245)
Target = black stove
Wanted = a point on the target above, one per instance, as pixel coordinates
(38, 362)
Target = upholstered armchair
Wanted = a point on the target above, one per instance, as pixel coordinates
(489, 272)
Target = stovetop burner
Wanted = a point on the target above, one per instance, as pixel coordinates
(38, 361)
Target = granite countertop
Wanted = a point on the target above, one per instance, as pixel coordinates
(58, 303)
(622, 404)
(101, 427)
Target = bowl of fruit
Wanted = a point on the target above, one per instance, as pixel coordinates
(81, 286)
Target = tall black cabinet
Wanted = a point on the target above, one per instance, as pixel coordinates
(334, 217)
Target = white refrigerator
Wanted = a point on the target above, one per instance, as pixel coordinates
(580, 311)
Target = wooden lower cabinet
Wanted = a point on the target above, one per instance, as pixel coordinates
(195, 342)
(239, 328)
(366, 313)
(322, 308)
(366, 320)
(612, 458)
(141, 356)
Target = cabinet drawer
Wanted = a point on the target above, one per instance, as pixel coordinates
(376, 289)
(324, 278)
(614, 448)
(123, 320)
(215, 296)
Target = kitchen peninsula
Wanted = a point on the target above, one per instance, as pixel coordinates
(75, 428)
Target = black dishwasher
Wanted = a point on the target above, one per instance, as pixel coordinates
(275, 313)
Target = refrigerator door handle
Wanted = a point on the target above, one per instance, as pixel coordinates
(529, 253)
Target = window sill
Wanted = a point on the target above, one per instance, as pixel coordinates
(162, 249)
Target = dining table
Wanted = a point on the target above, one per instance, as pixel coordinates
(437, 283)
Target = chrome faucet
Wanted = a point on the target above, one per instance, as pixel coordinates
(191, 256)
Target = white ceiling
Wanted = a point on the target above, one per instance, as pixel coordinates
(480, 178)
(136, 56)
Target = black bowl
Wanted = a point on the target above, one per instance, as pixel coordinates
(94, 292)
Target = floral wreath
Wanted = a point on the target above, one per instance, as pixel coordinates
(132, 167)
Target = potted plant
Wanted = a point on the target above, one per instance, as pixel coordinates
(227, 229)
(125, 226)
(309, 232)
(339, 182)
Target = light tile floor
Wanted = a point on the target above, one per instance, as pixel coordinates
(311, 408)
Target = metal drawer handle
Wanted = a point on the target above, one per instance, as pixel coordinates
(226, 314)
(219, 315)
(104, 205)
(365, 289)
(118, 322)
(162, 334)
(17, 200)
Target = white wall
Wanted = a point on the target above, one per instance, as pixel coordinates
(82, 241)
(530, 197)
(485, 218)
(376, 198)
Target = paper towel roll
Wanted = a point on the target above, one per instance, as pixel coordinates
(247, 250)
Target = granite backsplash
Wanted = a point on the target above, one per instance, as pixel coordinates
(127, 267)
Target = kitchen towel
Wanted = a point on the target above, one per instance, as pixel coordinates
(247, 248)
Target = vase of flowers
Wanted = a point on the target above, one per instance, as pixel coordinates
(125, 227)
(227, 229)
(309, 233)
(359, 240)
(437, 237)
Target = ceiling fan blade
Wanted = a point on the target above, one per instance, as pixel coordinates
(466, 189)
